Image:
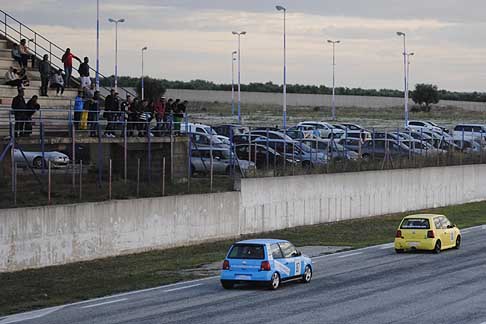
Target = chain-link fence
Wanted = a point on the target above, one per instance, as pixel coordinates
(55, 157)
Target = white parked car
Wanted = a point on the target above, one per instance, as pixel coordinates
(418, 124)
(201, 128)
(324, 129)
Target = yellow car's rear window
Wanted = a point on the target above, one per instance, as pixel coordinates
(415, 223)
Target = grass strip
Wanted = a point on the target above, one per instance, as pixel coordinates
(39, 288)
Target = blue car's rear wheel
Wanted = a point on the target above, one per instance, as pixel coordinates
(227, 284)
(275, 281)
(307, 276)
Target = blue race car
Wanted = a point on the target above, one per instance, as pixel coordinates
(265, 261)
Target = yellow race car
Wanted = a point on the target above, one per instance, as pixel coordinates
(427, 232)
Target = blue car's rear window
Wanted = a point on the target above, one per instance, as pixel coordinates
(415, 223)
(247, 251)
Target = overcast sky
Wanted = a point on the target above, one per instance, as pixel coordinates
(191, 39)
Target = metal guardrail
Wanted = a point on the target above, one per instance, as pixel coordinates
(14, 30)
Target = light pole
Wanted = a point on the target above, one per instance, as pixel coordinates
(239, 72)
(333, 76)
(116, 22)
(233, 59)
(408, 69)
(97, 45)
(405, 73)
(280, 8)
(143, 50)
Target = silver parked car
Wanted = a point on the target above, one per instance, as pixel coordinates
(34, 159)
(222, 161)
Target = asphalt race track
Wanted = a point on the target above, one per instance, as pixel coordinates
(372, 285)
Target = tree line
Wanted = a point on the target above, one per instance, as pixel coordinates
(126, 81)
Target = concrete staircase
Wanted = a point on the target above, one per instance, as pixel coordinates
(55, 110)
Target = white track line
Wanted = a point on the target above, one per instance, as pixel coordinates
(29, 315)
(180, 288)
(105, 303)
(349, 255)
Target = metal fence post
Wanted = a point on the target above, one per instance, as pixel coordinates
(125, 152)
(109, 180)
(49, 182)
(138, 177)
(15, 184)
(80, 179)
(163, 176)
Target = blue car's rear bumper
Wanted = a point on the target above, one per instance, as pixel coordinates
(240, 276)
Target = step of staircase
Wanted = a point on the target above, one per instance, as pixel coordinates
(32, 73)
(44, 102)
(7, 91)
(3, 44)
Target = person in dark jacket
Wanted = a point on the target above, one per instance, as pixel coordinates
(109, 114)
(84, 73)
(93, 114)
(32, 107)
(19, 109)
(44, 69)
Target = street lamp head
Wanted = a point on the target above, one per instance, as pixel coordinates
(234, 33)
(234, 52)
(280, 8)
(411, 54)
(111, 20)
(240, 33)
(144, 48)
(121, 20)
(243, 33)
(400, 33)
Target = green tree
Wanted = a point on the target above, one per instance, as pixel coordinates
(153, 88)
(425, 95)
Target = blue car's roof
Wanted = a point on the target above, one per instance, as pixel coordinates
(261, 241)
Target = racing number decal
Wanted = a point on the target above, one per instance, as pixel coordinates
(452, 236)
(297, 268)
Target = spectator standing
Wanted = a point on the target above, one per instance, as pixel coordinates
(177, 115)
(19, 108)
(16, 54)
(93, 114)
(32, 107)
(25, 54)
(57, 82)
(109, 113)
(159, 111)
(78, 109)
(12, 78)
(44, 69)
(84, 73)
(67, 59)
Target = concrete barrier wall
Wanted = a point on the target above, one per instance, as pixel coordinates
(42, 236)
(312, 100)
(307, 200)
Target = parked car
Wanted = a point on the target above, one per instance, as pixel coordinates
(332, 149)
(230, 130)
(295, 150)
(272, 134)
(378, 147)
(300, 132)
(426, 232)
(246, 138)
(201, 128)
(267, 261)
(467, 131)
(262, 156)
(418, 124)
(354, 131)
(468, 145)
(203, 139)
(325, 130)
(36, 159)
(222, 160)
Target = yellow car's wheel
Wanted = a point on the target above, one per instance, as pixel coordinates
(438, 247)
(458, 242)
(399, 250)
